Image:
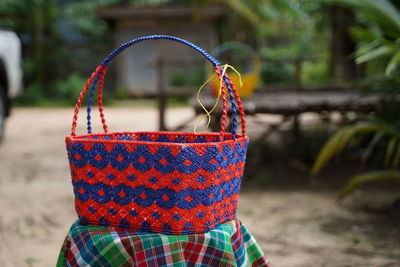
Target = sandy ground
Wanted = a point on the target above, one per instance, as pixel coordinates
(294, 228)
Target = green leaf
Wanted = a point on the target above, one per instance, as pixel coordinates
(341, 138)
(349, 3)
(389, 150)
(245, 11)
(374, 176)
(333, 146)
(394, 62)
(370, 146)
(378, 10)
(386, 9)
(379, 35)
(367, 47)
(396, 159)
(363, 34)
(376, 53)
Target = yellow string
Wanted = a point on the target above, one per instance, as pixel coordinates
(237, 72)
(208, 113)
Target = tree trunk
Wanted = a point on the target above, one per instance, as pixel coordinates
(342, 64)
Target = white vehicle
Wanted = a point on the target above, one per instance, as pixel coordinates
(10, 73)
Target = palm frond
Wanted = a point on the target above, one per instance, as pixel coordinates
(375, 176)
(373, 54)
(378, 39)
(378, 136)
(381, 11)
(363, 34)
(393, 64)
(245, 11)
(389, 150)
(339, 140)
(386, 10)
(396, 158)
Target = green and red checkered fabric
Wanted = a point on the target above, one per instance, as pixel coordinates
(230, 244)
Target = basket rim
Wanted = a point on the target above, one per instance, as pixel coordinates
(82, 138)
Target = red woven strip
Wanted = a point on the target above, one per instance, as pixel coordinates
(225, 108)
(240, 105)
(165, 180)
(81, 96)
(102, 70)
(100, 99)
(199, 224)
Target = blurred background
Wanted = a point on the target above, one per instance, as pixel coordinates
(320, 87)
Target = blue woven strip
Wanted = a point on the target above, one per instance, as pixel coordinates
(90, 101)
(233, 106)
(118, 50)
(210, 58)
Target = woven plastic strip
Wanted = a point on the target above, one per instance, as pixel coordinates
(163, 182)
(100, 77)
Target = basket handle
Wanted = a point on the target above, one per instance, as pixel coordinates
(97, 80)
(231, 89)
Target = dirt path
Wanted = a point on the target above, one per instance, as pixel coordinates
(295, 228)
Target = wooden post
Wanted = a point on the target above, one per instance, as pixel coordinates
(161, 95)
(298, 62)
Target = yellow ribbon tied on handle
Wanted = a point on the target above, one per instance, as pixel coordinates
(208, 113)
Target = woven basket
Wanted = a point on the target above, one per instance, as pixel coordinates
(163, 182)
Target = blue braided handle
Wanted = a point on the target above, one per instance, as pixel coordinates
(118, 50)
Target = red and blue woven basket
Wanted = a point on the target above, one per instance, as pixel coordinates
(162, 182)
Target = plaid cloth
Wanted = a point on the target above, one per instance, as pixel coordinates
(230, 244)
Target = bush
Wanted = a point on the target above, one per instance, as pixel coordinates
(69, 88)
(187, 77)
(59, 92)
(277, 73)
(314, 72)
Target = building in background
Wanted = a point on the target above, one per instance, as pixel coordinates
(137, 69)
